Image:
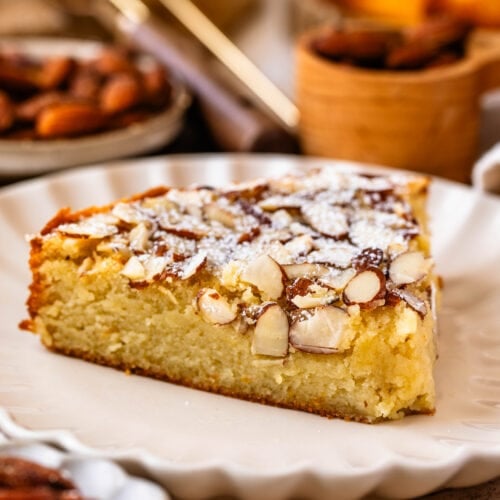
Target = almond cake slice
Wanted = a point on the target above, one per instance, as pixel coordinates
(311, 291)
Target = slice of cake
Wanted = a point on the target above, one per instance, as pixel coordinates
(312, 291)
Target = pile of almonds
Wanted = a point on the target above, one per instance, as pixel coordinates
(60, 97)
(435, 43)
(22, 479)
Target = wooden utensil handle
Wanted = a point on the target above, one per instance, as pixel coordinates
(236, 125)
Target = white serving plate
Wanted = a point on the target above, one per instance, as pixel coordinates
(199, 444)
(25, 157)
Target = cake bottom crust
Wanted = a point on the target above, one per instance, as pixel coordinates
(136, 370)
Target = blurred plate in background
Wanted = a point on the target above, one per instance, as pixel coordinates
(27, 157)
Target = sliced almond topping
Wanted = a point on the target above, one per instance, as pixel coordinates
(366, 287)
(278, 202)
(266, 274)
(300, 245)
(99, 226)
(139, 236)
(192, 265)
(133, 269)
(188, 233)
(304, 270)
(318, 297)
(408, 267)
(271, 332)
(216, 213)
(368, 257)
(154, 266)
(321, 332)
(214, 308)
(128, 213)
(338, 280)
(412, 300)
(326, 219)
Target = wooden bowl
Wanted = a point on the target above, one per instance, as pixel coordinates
(426, 120)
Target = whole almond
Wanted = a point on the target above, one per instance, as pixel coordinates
(28, 110)
(412, 55)
(54, 72)
(18, 79)
(120, 93)
(156, 86)
(360, 47)
(6, 112)
(85, 84)
(439, 32)
(68, 120)
(113, 60)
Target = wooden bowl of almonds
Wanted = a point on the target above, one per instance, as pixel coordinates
(403, 98)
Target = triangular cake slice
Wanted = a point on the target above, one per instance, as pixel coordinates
(312, 291)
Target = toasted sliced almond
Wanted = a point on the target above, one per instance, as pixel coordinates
(338, 279)
(266, 274)
(412, 300)
(128, 213)
(217, 213)
(271, 332)
(215, 308)
(368, 257)
(304, 270)
(133, 269)
(320, 297)
(408, 267)
(326, 219)
(192, 265)
(300, 245)
(322, 332)
(366, 287)
(99, 226)
(139, 236)
(154, 267)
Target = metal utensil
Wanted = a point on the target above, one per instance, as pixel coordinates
(199, 25)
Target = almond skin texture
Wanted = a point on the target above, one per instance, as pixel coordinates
(55, 71)
(6, 112)
(363, 47)
(67, 120)
(28, 110)
(271, 332)
(366, 287)
(214, 308)
(321, 333)
(407, 268)
(85, 84)
(113, 60)
(120, 93)
(156, 86)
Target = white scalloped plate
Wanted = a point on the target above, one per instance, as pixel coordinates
(199, 444)
(93, 476)
(25, 157)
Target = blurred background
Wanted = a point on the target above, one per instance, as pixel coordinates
(266, 32)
